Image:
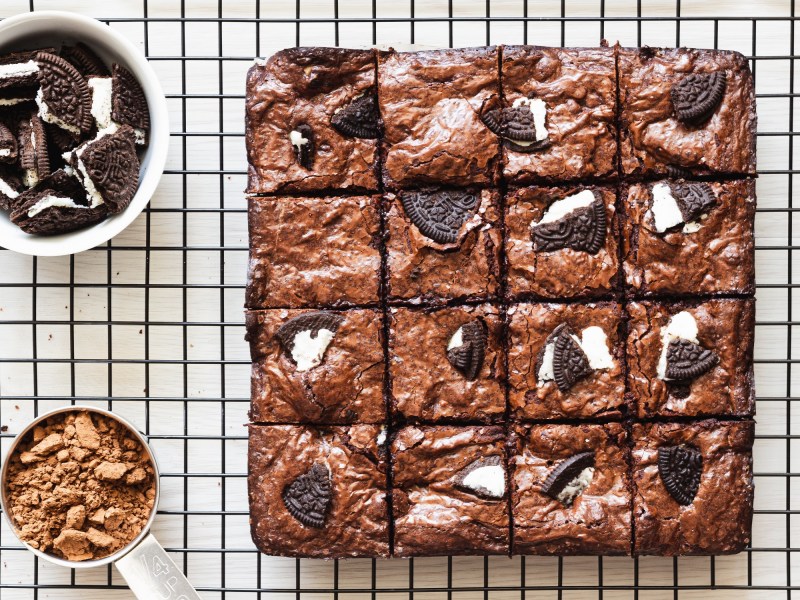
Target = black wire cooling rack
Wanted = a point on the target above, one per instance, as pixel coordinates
(153, 319)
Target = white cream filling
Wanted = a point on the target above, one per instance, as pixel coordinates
(381, 439)
(576, 487)
(12, 101)
(562, 208)
(297, 139)
(49, 117)
(457, 340)
(593, 342)
(101, 100)
(680, 326)
(5, 151)
(539, 110)
(308, 351)
(666, 213)
(490, 479)
(30, 178)
(50, 201)
(7, 190)
(18, 69)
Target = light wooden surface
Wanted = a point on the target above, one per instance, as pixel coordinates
(191, 292)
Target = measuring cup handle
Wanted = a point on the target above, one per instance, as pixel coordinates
(152, 574)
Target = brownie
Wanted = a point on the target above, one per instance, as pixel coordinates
(431, 103)
(543, 384)
(570, 489)
(561, 243)
(711, 253)
(443, 245)
(298, 94)
(693, 487)
(686, 111)
(449, 491)
(447, 363)
(313, 252)
(318, 492)
(322, 367)
(691, 358)
(579, 88)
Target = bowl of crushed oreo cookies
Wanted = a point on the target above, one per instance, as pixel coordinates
(83, 133)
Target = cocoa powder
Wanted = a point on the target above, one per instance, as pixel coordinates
(80, 486)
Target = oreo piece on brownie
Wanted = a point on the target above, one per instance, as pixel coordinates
(63, 98)
(85, 60)
(56, 205)
(108, 167)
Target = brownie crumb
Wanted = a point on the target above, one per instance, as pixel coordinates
(80, 486)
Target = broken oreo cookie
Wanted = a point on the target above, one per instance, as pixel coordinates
(109, 169)
(34, 158)
(517, 126)
(696, 96)
(680, 468)
(360, 118)
(302, 139)
(128, 104)
(485, 478)
(561, 482)
(574, 222)
(57, 204)
(306, 337)
(64, 98)
(84, 60)
(8, 145)
(466, 349)
(687, 360)
(308, 497)
(570, 363)
(439, 215)
(693, 199)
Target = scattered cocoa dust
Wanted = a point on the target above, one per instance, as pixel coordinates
(80, 486)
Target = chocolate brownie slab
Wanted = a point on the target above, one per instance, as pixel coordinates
(566, 361)
(318, 492)
(573, 94)
(443, 245)
(561, 242)
(322, 367)
(570, 489)
(686, 111)
(691, 358)
(449, 494)
(431, 103)
(312, 121)
(447, 363)
(313, 252)
(693, 487)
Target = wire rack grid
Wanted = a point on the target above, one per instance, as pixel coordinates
(151, 325)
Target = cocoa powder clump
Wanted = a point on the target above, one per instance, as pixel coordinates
(80, 486)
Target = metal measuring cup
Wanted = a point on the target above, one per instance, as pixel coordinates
(146, 567)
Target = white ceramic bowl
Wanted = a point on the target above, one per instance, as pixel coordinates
(55, 28)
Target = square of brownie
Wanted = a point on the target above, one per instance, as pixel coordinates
(566, 361)
(570, 490)
(561, 242)
(447, 363)
(318, 492)
(691, 358)
(574, 93)
(689, 238)
(313, 252)
(312, 121)
(693, 487)
(323, 367)
(431, 104)
(443, 245)
(686, 112)
(449, 492)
